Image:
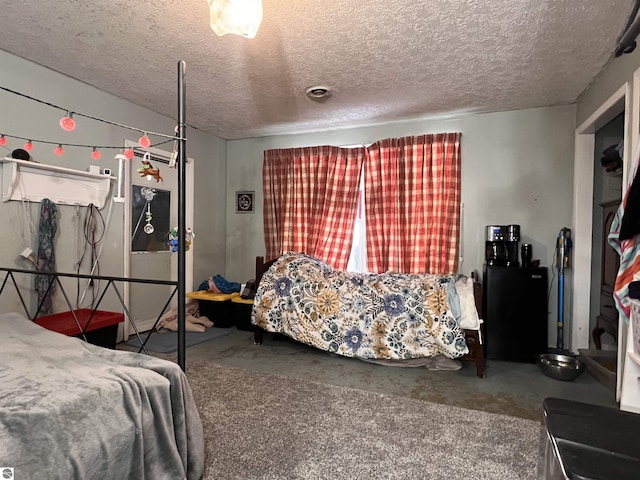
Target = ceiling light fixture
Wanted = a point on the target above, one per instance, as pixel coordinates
(239, 17)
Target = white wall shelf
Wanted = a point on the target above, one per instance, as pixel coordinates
(30, 181)
(630, 396)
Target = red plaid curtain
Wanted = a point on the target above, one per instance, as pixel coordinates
(310, 201)
(412, 192)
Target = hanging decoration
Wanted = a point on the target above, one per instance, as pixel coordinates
(147, 169)
(148, 228)
(68, 123)
(173, 239)
(173, 160)
(29, 145)
(144, 141)
(148, 194)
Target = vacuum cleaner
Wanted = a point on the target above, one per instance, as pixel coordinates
(563, 261)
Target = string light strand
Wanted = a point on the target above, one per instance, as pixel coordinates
(69, 111)
(84, 145)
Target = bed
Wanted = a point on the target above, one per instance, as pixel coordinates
(385, 318)
(72, 410)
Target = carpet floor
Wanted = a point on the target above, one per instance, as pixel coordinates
(262, 426)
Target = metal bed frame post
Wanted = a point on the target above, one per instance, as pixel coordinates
(181, 216)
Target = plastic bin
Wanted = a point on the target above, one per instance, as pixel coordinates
(216, 307)
(101, 331)
(242, 308)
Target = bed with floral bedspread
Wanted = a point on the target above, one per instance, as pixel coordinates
(370, 316)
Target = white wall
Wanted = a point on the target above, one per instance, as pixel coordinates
(517, 167)
(26, 118)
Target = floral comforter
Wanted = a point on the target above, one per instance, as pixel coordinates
(371, 316)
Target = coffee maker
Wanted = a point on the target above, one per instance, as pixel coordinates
(501, 245)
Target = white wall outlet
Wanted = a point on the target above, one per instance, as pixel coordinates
(106, 171)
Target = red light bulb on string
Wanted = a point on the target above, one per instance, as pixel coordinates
(144, 141)
(3, 140)
(128, 153)
(96, 154)
(67, 123)
(28, 146)
(58, 150)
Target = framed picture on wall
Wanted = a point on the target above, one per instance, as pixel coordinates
(245, 201)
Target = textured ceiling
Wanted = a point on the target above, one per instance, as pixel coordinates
(384, 60)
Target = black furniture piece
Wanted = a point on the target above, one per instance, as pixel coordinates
(579, 441)
(515, 312)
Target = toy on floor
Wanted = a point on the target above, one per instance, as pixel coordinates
(193, 321)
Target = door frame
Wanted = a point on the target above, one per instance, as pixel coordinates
(189, 217)
(583, 179)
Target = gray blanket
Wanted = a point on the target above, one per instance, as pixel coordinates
(71, 410)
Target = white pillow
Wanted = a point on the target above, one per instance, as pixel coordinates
(469, 318)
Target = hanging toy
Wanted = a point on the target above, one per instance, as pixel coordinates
(148, 194)
(173, 239)
(147, 169)
(148, 228)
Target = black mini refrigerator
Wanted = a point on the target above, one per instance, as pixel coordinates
(515, 312)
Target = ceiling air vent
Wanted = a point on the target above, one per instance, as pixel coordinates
(318, 93)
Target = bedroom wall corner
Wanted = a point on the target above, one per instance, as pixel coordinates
(517, 167)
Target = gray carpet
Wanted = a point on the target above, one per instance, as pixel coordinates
(273, 427)
(167, 342)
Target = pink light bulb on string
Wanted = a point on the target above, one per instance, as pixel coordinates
(3, 140)
(28, 146)
(96, 154)
(128, 153)
(58, 150)
(144, 141)
(67, 123)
